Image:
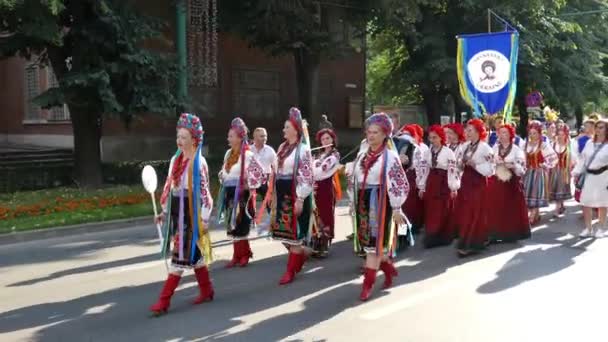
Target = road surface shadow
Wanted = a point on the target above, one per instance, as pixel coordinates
(537, 263)
(89, 268)
(74, 247)
(243, 295)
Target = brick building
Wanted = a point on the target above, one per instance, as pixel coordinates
(251, 84)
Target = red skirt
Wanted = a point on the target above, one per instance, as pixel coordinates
(325, 198)
(508, 220)
(438, 230)
(471, 211)
(413, 207)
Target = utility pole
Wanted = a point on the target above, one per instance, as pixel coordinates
(180, 46)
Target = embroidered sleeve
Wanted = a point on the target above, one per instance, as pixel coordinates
(549, 156)
(519, 162)
(398, 187)
(255, 172)
(167, 188)
(485, 161)
(423, 167)
(304, 177)
(459, 157)
(326, 167)
(453, 173)
(222, 174)
(206, 200)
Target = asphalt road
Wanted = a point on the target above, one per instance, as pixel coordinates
(98, 287)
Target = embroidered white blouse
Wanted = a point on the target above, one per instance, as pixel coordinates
(397, 185)
(482, 158)
(558, 148)
(304, 173)
(446, 160)
(326, 165)
(170, 188)
(516, 157)
(253, 171)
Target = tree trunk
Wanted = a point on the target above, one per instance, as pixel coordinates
(578, 113)
(307, 77)
(432, 102)
(523, 114)
(86, 127)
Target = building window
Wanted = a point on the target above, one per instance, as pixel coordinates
(60, 113)
(38, 80)
(257, 93)
(32, 89)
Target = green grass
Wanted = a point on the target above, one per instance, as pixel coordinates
(85, 216)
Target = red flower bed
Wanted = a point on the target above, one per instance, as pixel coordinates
(60, 205)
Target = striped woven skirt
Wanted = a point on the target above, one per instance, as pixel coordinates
(561, 188)
(536, 188)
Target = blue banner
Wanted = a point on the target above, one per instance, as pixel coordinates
(487, 71)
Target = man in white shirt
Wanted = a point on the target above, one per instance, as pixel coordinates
(265, 155)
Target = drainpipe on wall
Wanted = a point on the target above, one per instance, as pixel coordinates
(180, 45)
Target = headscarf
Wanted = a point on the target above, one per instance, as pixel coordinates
(331, 133)
(510, 129)
(295, 117)
(419, 132)
(193, 124)
(411, 130)
(437, 129)
(381, 120)
(535, 125)
(458, 129)
(239, 127)
(480, 127)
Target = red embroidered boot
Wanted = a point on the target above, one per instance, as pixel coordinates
(368, 283)
(235, 254)
(301, 260)
(204, 285)
(164, 300)
(292, 263)
(246, 253)
(389, 272)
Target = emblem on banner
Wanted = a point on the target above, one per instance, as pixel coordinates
(489, 71)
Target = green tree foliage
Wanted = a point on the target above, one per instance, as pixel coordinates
(96, 49)
(559, 54)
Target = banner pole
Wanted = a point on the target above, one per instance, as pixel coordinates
(489, 20)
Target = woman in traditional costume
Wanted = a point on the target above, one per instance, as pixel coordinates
(186, 205)
(241, 174)
(476, 161)
(454, 134)
(378, 187)
(327, 189)
(508, 219)
(592, 173)
(559, 177)
(413, 207)
(291, 215)
(540, 158)
(438, 186)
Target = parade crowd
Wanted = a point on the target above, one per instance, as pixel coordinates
(472, 184)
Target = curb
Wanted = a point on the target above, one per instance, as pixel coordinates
(53, 232)
(92, 227)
